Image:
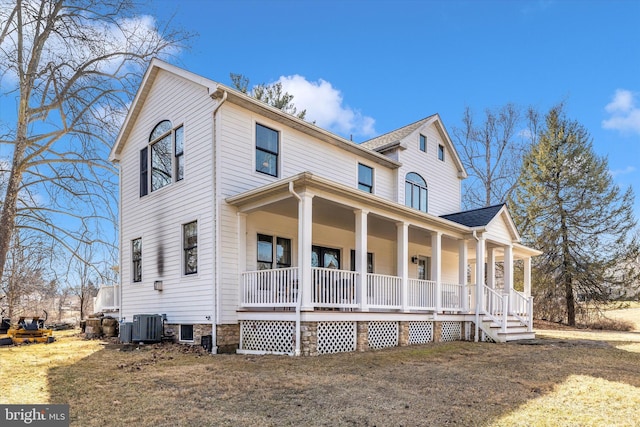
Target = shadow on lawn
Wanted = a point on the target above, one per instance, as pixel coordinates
(457, 383)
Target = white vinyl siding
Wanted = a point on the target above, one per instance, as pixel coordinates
(441, 176)
(298, 153)
(159, 216)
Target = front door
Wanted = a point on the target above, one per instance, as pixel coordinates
(424, 268)
(325, 257)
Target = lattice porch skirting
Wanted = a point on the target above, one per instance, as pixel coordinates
(278, 337)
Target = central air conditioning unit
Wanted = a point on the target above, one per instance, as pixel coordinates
(147, 328)
(126, 332)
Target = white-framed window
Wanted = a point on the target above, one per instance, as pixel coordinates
(415, 192)
(267, 150)
(441, 152)
(136, 260)
(186, 332)
(365, 178)
(190, 247)
(369, 261)
(162, 161)
(272, 248)
(423, 143)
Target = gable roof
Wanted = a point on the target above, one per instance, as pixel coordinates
(484, 218)
(220, 93)
(395, 137)
(141, 95)
(476, 217)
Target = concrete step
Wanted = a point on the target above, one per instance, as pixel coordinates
(519, 336)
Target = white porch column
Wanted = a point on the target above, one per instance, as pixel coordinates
(305, 227)
(242, 254)
(491, 267)
(402, 229)
(508, 269)
(472, 270)
(436, 266)
(480, 250)
(479, 307)
(527, 276)
(361, 258)
(462, 271)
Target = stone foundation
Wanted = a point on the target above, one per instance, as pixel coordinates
(403, 334)
(437, 331)
(228, 338)
(362, 336)
(199, 330)
(309, 338)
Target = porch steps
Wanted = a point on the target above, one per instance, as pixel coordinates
(516, 330)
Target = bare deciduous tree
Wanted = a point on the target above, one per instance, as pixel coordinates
(25, 278)
(70, 69)
(492, 152)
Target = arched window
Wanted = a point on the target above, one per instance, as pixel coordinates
(166, 158)
(415, 192)
(160, 141)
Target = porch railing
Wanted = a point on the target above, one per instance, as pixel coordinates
(333, 288)
(108, 298)
(454, 297)
(522, 307)
(496, 307)
(270, 288)
(421, 294)
(384, 291)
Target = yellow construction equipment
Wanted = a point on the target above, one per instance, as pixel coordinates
(27, 330)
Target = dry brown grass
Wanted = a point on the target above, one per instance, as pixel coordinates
(567, 377)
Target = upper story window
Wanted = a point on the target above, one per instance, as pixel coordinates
(190, 247)
(423, 143)
(136, 259)
(415, 192)
(441, 152)
(365, 178)
(165, 155)
(267, 150)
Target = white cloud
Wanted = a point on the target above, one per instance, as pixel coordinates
(627, 170)
(324, 105)
(624, 113)
(526, 134)
(95, 37)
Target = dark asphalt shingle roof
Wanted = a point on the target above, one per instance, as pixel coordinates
(475, 217)
(394, 136)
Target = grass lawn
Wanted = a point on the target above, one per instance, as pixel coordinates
(565, 378)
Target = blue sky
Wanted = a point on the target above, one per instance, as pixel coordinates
(364, 68)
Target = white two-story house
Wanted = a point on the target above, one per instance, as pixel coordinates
(272, 235)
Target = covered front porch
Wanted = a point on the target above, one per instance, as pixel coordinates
(312, 249)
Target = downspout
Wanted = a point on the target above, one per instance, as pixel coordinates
(477, 328)
(121, 319)
(215, 320)
(299, 296)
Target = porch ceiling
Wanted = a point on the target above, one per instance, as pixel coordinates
(339, 196)
(334, 205)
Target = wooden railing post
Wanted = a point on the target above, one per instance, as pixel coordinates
(505, 312)
(530, 312)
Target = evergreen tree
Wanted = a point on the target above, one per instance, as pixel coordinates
(567, 205)
(268, 93)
